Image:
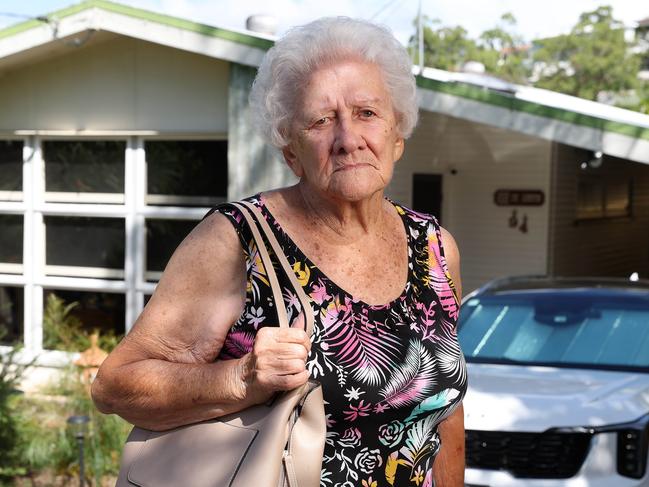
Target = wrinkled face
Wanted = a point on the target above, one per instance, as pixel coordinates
(344, 140)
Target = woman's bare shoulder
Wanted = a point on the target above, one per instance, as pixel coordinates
(452, 256)
(451, 250)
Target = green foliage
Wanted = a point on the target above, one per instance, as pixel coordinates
(501, 50)
(11, 374)
(46, 444)
(62, 330)
(34, 437)
(594, 57)
(445, 47)
(642, 97)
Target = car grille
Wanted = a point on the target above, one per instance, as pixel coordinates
(528, 455)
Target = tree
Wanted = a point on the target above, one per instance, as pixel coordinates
(444, 47)
(501, 51)
(594, 57)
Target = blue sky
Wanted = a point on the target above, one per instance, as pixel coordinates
(535, 18)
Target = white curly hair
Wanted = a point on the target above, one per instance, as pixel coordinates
(305, 49)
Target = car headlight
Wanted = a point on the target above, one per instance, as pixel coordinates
(632, 444)
(632, 450)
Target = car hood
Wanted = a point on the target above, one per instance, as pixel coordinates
(526, 398)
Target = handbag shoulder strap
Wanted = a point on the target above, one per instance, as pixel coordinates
(259, 226)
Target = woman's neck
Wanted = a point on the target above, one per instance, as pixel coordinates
(338, 221)
(348, 219)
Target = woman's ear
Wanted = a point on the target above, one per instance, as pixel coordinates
(399, 146)
(291, 159)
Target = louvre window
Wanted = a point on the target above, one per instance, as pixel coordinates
(84, 246)
(186, 172)
(11, 169)
(84, 171)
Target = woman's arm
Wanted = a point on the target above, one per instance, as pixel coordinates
(163, 374)
(449, 463)
(452, 256)
(448, 468)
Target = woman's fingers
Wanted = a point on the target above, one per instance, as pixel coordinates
(294, 334)
(278, 359)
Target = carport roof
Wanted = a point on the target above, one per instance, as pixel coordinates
(541, 113)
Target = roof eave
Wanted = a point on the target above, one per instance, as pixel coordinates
(141, 24)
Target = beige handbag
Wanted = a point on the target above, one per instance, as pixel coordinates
(279, 444)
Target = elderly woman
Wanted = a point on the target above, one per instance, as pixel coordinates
(337, 97)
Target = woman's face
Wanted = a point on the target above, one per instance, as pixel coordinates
(344, 140)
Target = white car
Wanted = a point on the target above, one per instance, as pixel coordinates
(558, 383)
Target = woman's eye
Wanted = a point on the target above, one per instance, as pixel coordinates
(367, 113)
(321, 121)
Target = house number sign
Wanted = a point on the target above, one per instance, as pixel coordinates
(519, 197)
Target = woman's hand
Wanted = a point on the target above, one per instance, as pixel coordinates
(276, 363)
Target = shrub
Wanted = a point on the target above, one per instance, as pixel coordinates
(47, 444)
(64, 331)
(11, 375)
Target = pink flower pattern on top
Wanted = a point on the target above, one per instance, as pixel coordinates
(389, 373)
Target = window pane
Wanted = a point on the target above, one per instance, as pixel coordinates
(590, 199)
(11, 239)
(162, 238)
(84, 241)
(618, 198)
(89, 166)
(70, 316)
(11, 314)
(194, 169)
(11, 165)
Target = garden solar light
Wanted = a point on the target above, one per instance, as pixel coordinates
(78, 426)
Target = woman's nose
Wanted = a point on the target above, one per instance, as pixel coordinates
(348, 137)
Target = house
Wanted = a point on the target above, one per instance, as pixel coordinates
(120, 128)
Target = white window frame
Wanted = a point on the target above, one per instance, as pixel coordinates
(75, 197)
(134, 280)
(167, 199)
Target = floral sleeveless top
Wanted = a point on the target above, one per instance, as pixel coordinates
(389, 373)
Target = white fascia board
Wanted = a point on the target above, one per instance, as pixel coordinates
(98, 19)
(178, 38)
(47, 33)
(541, 96)
(620, 145)
(581, 105)
(614, 144)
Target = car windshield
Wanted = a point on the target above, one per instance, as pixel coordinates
(563, 328)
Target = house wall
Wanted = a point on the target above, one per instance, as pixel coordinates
(601, 247)
(118, 84)
(485, 159)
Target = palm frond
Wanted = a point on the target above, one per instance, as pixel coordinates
(414, 380)
(369, 356)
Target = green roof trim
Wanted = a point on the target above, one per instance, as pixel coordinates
(503, 100)
(248, 40)
(32, 23)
